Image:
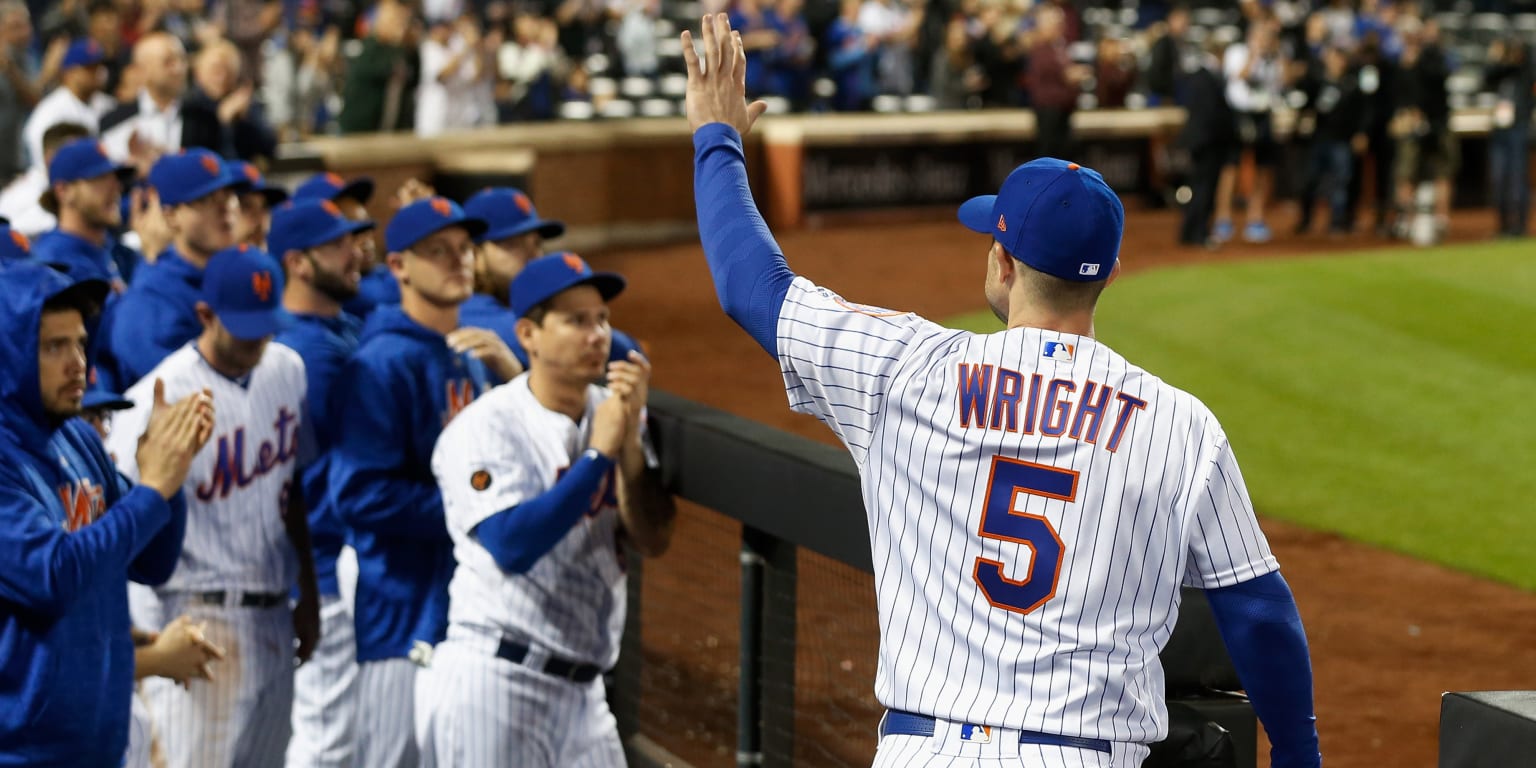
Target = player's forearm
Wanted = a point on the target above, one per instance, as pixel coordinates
(750, 274)
(647, 511)
(517, 537)
(1263, 633)
(157, 561)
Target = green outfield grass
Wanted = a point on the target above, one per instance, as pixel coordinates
(1387, 396)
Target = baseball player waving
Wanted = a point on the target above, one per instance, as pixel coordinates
(1035, 501)
(543, 480)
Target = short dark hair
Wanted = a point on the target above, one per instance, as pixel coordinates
(58, 135)
(1066, 295)
(539, 311)
(72, 300)
(101, 6)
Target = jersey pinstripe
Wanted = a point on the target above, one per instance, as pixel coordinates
(1034, 503)
(239, 482)
(571, 603)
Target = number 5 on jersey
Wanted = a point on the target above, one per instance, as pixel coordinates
(999, 520)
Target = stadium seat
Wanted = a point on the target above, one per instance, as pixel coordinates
(618, 109)
(576, 110)
(674, 85)
(658, 108)
(603, 86)
(886, 104)
(920, 102)
(637, 88)
(777, 105)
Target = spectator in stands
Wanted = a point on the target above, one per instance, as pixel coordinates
(1169, 51)
(104, 27)
(65, 20)
(529, 66)
(1000, 51)
(893, 29)
(636, 38)
(220, 111)
(151, 125)
(1255, 73)
(247, 24)
(453, 65)
(1512, 80)
(1376, 74)
(790, 64)
(1426, 148)
(1115, 73)
(19, 201)
(1210, 138)
(378, 93)
(19, 92)
(71, 101)
(1335, 114)
(1338, 20)
(759, 39)
(1054, 83)
(297, 78)
(955, 80)
(851, 60)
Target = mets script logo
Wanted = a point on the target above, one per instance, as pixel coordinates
(229, 468)
(261, 284)
(84, 502)
(461, 392)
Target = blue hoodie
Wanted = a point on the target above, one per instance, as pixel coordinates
(325, 343)
(79, 257)
(484, 311)
(377, 289)
(391, 401)
(157, 316)
(71, 535)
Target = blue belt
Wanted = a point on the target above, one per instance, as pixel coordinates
(899, 723)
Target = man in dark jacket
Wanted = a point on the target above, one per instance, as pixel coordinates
(1426, 148)
(1210, 137)
(1335, 112)
(379, 93)
(1512, 80)
(221, 113)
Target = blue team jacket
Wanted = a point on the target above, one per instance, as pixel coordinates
(484, 311)
(394, 397)
(377, 289)
(325, 343)
(71, 535)
(157, 316)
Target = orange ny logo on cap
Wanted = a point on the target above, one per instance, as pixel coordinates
(330, 207)
(21, 241)
(523, 203)
(575, 263)
(210, 164)
(331, 178)
(261, 283)
(442, 206)
(252, 174)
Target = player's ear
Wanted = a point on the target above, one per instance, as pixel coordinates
(1114, 272)
(524, 330)
(395, 260)
(205, 315)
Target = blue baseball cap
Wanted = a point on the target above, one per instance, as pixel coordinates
(545, 277)
(79, 160)
(275, 195)
(329, 186)
(509, 213)
(1057, 217)
(304, 224)
(425, 217)
(243, 286)
(102, 399)
(84, 52)
(14, 246)
(191, 175)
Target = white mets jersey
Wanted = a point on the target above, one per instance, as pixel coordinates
(239, 483)
(1034, 502)
(504, 449)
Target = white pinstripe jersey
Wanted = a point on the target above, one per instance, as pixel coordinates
(240, 480)
(502, 450)
(1034, 503)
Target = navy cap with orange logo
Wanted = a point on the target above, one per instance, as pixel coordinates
(509, 213)
(14, 246)
(423, 218)
(243, 286)
(305, 224)
(547, 276)
(330, 186)
(1057, 217)
(274, 194)
(192, 175)
(84, 52)
(80, 160)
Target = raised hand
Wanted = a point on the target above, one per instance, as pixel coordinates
(488, 348)
(171, 440)
(630, 379)
(717, 84)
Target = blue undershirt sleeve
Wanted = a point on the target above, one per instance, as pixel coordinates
(1263, 634)
(751, 276)
(519, 536)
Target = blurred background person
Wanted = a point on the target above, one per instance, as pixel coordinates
(220, 111)
(1209, 136)
(955, 79)
(1255, 73)
(1336, 121)
(1054, 83)
(1376, 74)
(453, 65)
(379, 90)
(1171, 49)
(529, 66)
(1427, 151)
(1114, 73)
(19, 89)
(151, 125)
(1511, 79)
(71, 101)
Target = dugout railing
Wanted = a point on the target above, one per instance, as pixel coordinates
(788, 493)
